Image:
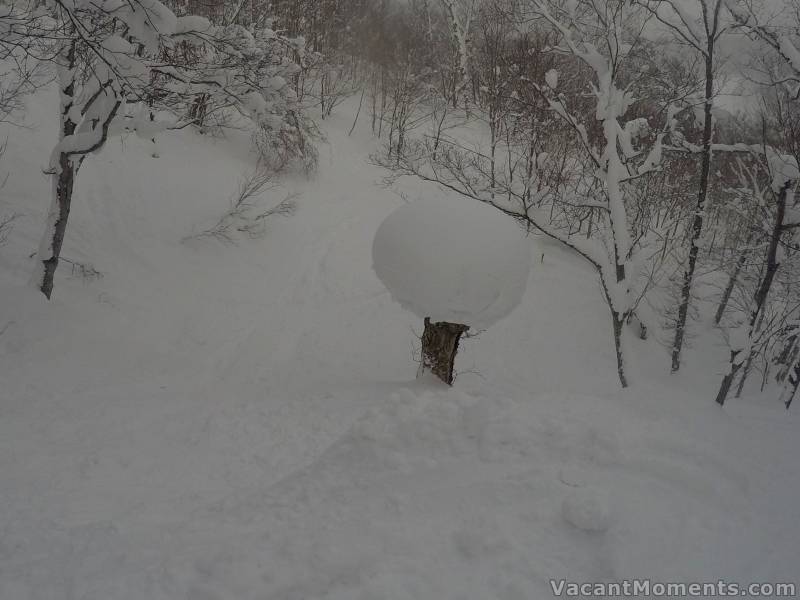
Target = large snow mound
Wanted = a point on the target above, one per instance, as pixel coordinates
(453, 259)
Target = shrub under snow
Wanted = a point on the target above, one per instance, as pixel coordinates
(454, 260)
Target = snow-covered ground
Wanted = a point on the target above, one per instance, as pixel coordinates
(212, 422)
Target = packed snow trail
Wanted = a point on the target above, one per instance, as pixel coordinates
(208, 422)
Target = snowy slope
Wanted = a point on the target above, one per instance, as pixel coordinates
(214, 423)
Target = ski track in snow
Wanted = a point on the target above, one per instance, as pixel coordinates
(218, 423)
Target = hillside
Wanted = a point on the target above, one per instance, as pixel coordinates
(215, 422)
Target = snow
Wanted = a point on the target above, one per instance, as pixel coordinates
(791, 53)
(551, 79)
(115, 43)
(653, 159)
(191, 24)
(739, 341)
(587, 509)
(792, 212)
(146, 20)
(256, 107)
(782, 167)
(453, 259)
(209, 422)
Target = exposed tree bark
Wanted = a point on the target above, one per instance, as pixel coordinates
(460, 25)
(63, 181)
(772, 254)
(640, 328)
(618, 320)
(726, 296)
(787, 357)
(773, 265)
(702, 195)
(703, 39)
(794, 383)
(725, 386)
(760, 298)
(747, 366)
(439, 347)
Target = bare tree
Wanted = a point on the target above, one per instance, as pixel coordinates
(246, 214)
(114, 66)
(460, 14)
(617, 153)
(784, 174)
(782, 39)
(701, 34)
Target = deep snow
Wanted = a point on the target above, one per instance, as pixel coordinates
(214, 423)
(452, 259)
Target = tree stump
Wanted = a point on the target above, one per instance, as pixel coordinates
(439, 348)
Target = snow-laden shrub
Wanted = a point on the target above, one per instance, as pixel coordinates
(457, 264)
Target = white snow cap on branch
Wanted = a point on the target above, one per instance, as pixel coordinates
(454, 259)
(551, 78)
(630, 133)
(739, 341)
(653, 160)
(192, 24)
(782, 167)
(793, 214)
(788, 49)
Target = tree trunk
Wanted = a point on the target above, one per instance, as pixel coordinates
(439, 348)
(460, 34)
(745, 372)
(727, 381)
(57, 224)
(726, 296)
(794, 384)
(771, 261)
(760, 298)
(617, 322)
(772, 266)
(697, 224)
(787, 358)
(749, 362)
(63, 182)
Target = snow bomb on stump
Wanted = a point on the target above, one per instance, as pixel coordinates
(456, 263)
